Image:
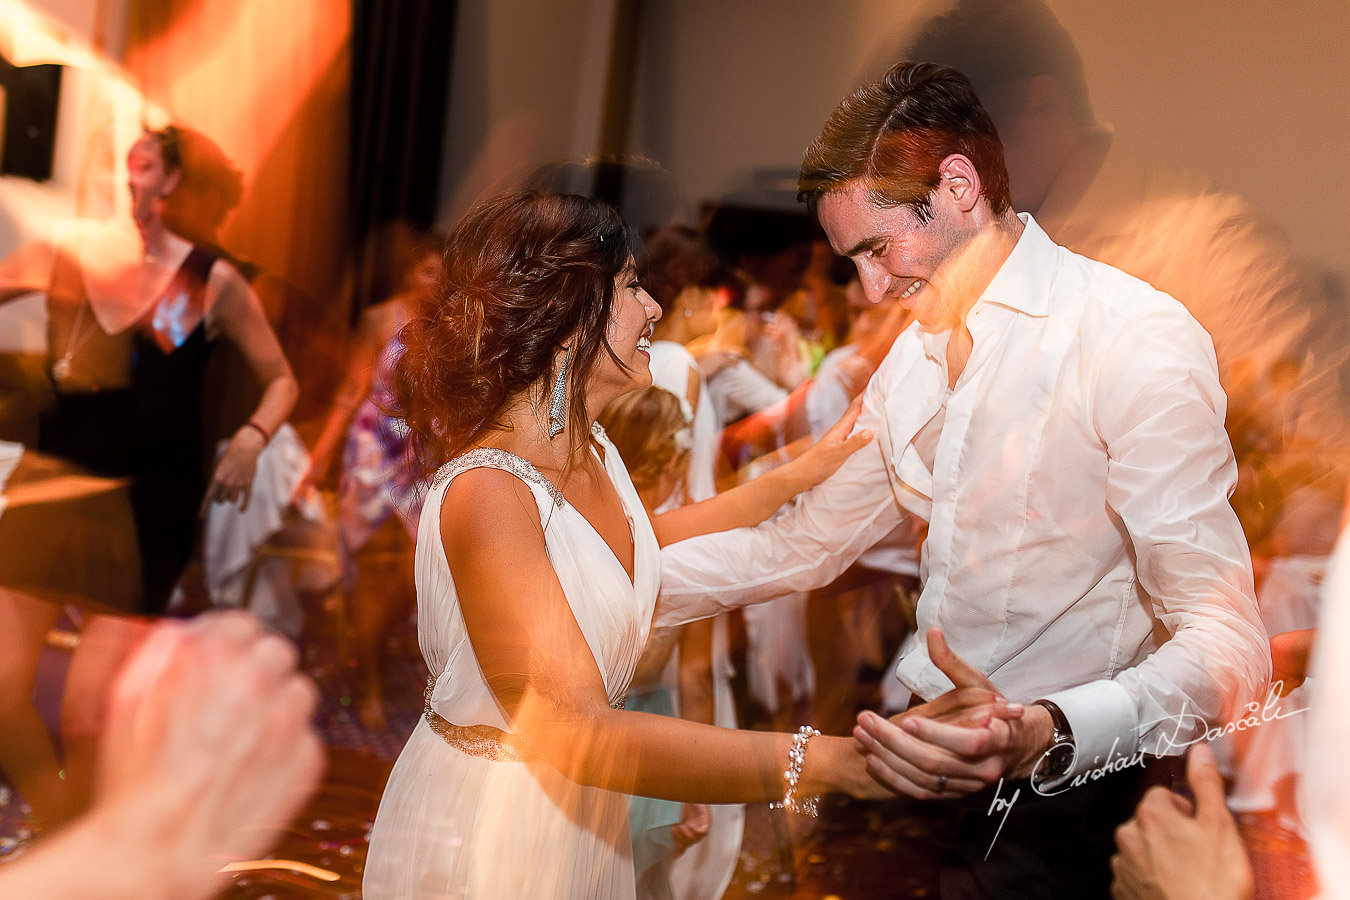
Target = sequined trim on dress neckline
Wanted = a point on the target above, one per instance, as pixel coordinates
(496, 458)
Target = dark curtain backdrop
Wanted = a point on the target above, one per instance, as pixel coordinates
(401, 53)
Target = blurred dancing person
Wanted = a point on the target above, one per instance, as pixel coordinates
(133, 316)
(537, 571)
(692, 283)
(1058, 424)
(377, 495)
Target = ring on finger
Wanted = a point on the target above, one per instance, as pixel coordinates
(942, 784)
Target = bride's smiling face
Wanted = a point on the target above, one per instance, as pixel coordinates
(632, 314)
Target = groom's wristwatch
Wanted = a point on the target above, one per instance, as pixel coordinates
(1055, 762)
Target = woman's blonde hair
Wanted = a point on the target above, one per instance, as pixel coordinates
(648, 428)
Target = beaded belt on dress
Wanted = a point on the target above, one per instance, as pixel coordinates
(484, 741)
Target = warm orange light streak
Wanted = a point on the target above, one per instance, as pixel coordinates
(28, 37)
(239, 70)
(288, 865)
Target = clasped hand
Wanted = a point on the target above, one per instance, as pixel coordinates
(958, 743)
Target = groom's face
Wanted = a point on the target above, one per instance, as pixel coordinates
(899, 257)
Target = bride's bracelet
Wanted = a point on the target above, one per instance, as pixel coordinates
(807, 806)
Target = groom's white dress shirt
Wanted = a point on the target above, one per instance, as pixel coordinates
(1081, 547)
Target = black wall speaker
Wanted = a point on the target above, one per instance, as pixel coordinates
(32, 95)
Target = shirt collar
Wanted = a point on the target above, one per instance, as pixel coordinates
(1021, 284)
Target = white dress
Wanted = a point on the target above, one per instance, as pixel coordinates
(703, 870)
(671, 364)
(453, 824)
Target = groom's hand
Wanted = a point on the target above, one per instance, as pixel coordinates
(958, 743)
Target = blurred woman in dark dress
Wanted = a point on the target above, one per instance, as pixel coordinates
(134, 313)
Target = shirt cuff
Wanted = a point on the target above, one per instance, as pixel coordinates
(1102, 718)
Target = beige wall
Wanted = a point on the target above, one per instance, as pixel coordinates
(1251, 93)
(526, 87)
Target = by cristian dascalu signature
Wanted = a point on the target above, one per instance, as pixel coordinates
(1258, 713)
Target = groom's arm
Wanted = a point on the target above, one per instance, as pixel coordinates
(805, 547)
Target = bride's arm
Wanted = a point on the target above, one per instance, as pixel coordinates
(542, 671)
(751, 503)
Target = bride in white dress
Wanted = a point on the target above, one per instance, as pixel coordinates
(537, 573)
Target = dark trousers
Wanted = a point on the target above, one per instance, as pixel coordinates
(1047, 847)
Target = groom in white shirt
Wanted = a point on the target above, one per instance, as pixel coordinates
(1060, 427)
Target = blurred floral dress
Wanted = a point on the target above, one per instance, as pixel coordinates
(377, 481)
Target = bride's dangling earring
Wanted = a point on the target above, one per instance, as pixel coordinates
(557, 411)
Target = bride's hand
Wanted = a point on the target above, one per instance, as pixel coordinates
(826, 455)
(839, 766)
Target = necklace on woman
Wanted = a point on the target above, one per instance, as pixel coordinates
(61, 369)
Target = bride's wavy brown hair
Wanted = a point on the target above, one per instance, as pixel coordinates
(521, 274)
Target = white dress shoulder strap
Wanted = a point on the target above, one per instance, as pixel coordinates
(495, 458)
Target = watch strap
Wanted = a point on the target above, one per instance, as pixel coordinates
(1063, 733)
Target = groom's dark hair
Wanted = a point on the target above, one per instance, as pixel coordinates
(891, 136)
